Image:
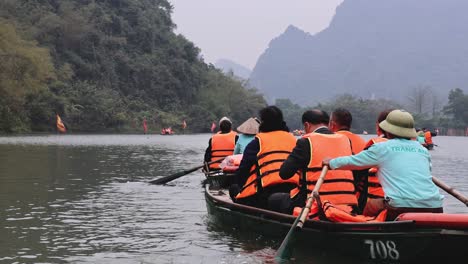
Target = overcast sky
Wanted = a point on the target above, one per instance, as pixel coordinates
(240, 30)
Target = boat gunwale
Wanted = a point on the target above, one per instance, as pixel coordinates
(268, 215)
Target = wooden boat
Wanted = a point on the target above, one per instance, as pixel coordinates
(167, 131)
(218, 178)
(416, 238)
(222, 178)
(429, 146)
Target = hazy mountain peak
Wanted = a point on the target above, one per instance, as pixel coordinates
(371, 47)
(291, 29)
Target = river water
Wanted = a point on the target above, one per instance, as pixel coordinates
(84, 199)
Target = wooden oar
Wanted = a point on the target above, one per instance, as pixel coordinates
(169, 178)
(284, 252)
(450, 190)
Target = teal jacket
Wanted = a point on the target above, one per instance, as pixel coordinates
(421, 139)
(404, 172)
(242, 142)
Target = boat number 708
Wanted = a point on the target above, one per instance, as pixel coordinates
(382, 249)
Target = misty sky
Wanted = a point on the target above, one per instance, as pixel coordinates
(240, 30)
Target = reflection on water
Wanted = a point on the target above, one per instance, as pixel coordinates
(84, 199)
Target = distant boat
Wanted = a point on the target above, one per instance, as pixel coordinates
(60, 125)
(364, 132)
(167, 131)
(298, 132)
(145, 126)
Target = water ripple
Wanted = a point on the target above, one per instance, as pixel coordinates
(84, 199)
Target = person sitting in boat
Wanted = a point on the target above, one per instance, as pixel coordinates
(368, 187)
(340, 123)
(404, 168)
(318, 142)
(258, 174)
(420, 137)
(221, 144)
(428, 138)
(247, 132)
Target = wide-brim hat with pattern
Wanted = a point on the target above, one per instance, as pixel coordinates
(250, 126)
(399, 123)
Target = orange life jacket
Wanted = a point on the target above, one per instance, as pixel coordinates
(338, 186)
(222, 145)
(374, 189)
(335, 213)
(357, 143)
(339, 213)
(428, 137)
(275, 148)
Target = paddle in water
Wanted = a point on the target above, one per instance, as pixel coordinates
(285, 251)
(169, 178)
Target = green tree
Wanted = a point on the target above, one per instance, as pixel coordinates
(457, 108)
(292, 113)
(26, 70)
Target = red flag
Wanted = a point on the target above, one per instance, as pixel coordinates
(145, 127)
(213, 126)
(184, 124)
(60, 126)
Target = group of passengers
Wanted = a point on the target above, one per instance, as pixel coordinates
(425, 137)
(388, 175)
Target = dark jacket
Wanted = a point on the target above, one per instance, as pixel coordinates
(300, 156)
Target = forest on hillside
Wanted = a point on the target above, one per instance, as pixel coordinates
(452, 116)
(104, 66)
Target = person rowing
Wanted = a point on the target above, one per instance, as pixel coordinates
(404, 168)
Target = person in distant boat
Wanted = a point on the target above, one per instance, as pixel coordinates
(258, 174)
(428, 138)
(340, 122)
(306, 158)
(420, 137)
(247, 132)
(404, 168)
(221, 144)
(368, 187)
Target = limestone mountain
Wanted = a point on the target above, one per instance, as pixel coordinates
(372, 48)
(237, 69)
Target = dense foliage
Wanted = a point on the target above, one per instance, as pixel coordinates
(365, 111)
(106, 65)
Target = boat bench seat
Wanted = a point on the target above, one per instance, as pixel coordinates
(459, 221)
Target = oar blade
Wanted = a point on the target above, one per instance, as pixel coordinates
(167, 179)
(285, 251)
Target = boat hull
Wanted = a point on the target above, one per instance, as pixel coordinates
(219, 179)
(386, 242)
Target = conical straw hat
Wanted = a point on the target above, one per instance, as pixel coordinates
(250, 126)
